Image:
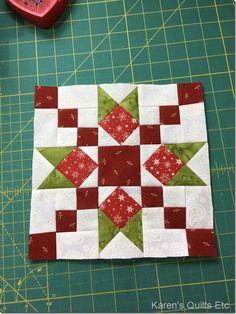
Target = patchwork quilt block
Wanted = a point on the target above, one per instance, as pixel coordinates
(120, 171)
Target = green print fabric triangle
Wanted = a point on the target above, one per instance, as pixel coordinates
(185, 176)
(130, 103)
(133, 230)
(185, 151)
(105, 104)
(107, 230)
(56, 180)
(55, 155)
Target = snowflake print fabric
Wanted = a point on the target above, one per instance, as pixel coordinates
(120, 207)
(163, 164)
(77, 166)
(119, 124)
(120, 171)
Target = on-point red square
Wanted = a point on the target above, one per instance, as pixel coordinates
(119, 124)
(175, 217)
(87, 137)
(150, 134)
(201, 242)
(66, 220)
(119, 165)
(67, 118)
(120, 207)
(87, 198)
(169, 115)
(46, 97)
(190, 93)
(152, 196)
(42, 246)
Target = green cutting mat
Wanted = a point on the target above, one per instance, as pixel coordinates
(141, 41)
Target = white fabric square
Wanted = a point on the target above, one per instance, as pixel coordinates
(199, 210)
(165, 242)
(91, 181)
(66, 199)
(42, 217)
(200, 164)
(134, 192)
(104, 192)
(88, 118)
(193, 123)
(121, 247)
(41, 169)
(87, 220)
(67, 137)
(77, 96)
(91, 151)
(146, 151)
(147, 179)
(45, 127)
(153, 218)
(77, 245)
(158, 95)
(118, 91)
(174, 196)
(134, 138)
(170, 133)
(149, 115)
(104, 139)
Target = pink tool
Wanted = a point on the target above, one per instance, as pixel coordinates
(42, 13)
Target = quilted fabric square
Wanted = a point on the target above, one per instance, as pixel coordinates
(120, 171)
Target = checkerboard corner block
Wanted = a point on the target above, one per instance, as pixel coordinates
(120, 171)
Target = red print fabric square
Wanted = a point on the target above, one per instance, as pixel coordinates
(175, 217)
(87, 198)
(150, 134)
(201, 242)
(126, 207)
(67, 118)
(119, 124)
(119, 165)
(66, 220)
(152, 196)
(77, 166)
(87, 137)
(190, 93)
(46, 97)
(169, 115)
(163, 164)
(42, 246)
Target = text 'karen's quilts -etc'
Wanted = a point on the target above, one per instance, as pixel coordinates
(120, 171)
